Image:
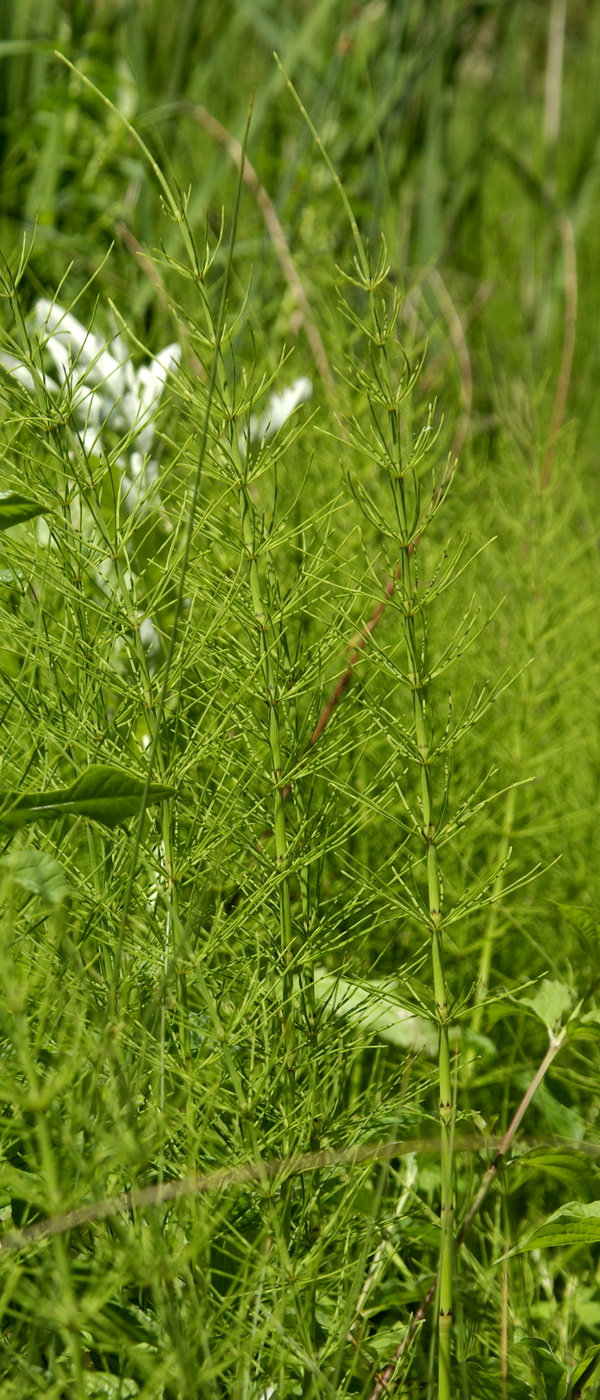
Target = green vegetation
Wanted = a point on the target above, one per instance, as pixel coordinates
(299, 676)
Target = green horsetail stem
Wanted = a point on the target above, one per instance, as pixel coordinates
(416, 657)
(249, 536)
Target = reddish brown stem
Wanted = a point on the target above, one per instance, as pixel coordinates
(361, 642)
(459, 345)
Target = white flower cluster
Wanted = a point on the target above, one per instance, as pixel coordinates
(104, 388)
(105, 391)
(280, 408)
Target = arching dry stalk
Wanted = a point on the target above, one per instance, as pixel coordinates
(281, 246)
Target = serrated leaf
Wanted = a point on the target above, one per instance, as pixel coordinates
(574, 1223)
(551, 1002)
(105, 794)
(15, 508)
(38, 872)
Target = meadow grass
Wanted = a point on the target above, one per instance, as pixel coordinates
(299, 1006)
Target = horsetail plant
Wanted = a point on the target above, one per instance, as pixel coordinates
(402, 458)
(254, 546)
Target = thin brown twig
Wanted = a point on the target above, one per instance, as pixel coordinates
(554, 74)
(359, 645)
(243, 1174)
(280, 244)
(290, 272)
(436, 365)
(555, 1045)
(149, 267)
(386, 1377)
(259, 1173)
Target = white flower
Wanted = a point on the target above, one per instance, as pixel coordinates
(151, 380)
(104, 380)
(279, 409)
(105, 388)
(23, 374)
(74, 348)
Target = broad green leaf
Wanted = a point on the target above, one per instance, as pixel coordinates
(39, 872)
(562, 1120)
(586, 1311)
(385, 1340)
(574, 1223)
(105, 794)
(373, 1007)
(26, 1186)
(545, 1363)
(551, 1002)
(474, 1040)
(572, 1168)
(584, 1373)
(8, 575)
(103, 1385)
(15, 508)
(477, 1118)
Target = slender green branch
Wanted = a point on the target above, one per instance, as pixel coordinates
(250, 536)
(382, 1385)
(417, 669)
(387, 387)
(487, 948)
(219, 330)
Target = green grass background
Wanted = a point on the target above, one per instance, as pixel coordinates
(466, 133)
